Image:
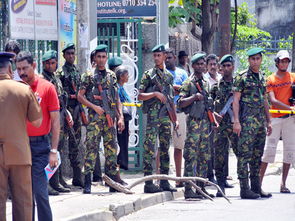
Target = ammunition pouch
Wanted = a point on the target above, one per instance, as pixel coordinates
(197, 110)
(146, 105)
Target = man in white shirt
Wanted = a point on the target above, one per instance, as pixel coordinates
(212, 66)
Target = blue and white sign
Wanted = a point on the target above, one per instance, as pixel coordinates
(126, 8)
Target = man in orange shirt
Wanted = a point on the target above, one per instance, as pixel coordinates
(280, 91)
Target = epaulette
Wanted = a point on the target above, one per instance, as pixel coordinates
(243, 72)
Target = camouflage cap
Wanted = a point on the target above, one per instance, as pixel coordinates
(227, 58)
(68, 46)
(49, 55)
(254, 51)
(197, 57)
(159, 48)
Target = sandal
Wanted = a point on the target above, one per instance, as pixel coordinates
(284, 190)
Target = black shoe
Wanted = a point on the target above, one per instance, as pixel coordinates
(190, 194)
(63, 183)
(227, 185)
(152, 188)
(61, 189)
(87, 186)
(164, 184)
(256, 188)
(52, 192)
(245, 191)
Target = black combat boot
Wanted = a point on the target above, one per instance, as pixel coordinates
(256, 188)
(97, 175)
(220, 183)
(87, 186)
(61, 179)
(245, 191)
(77, 177)
(52, 192)
(190, 194)
(165, 185)
(54, 183)
(202, 185)
(149, 187)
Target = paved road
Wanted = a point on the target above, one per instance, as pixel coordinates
(279, 207)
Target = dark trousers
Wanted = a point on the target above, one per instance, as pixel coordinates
(123, 141)
(40, 148)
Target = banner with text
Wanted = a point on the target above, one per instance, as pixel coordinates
(23, 23)
(67, 25)
(126, 8)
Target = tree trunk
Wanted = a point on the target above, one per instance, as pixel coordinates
(224, 27)
(209, 23)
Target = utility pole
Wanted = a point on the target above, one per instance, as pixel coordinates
(162, 21)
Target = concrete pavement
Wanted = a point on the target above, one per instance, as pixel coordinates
(102, 205)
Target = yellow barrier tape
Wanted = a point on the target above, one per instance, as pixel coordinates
(130, 104)
(281, 111)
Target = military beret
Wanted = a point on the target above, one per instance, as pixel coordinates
(101, 48)
(115, 61)
(197, 57)
(68, 46)
(49, 55)
(159, 48)
(6, 56)
(254, 51)
(227, 58)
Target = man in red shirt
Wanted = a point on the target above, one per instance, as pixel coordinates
(280, 91)
(42, 152)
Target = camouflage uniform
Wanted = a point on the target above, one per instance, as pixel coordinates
(196, 148)
(221, 92)
(98, 126)
(70, 78)
(158, 122)
(252, 118)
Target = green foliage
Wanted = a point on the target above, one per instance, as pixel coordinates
(267, 62)
(286, 43)
(247, 29)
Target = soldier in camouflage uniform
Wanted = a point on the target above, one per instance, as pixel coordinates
(222, 95)
(101, 113)
(49, 60)
(158, 122)
(70, 79)
(251, 116)
(194, 102)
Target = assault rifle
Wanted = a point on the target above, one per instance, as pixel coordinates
(169, 105)
(227, 108)
(208, 109)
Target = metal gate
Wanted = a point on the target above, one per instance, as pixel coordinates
(124, 38)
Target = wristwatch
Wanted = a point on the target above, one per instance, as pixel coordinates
(53, 150)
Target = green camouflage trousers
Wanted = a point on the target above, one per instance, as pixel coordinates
(96, 129)
(162, 127)
(250, 146)
(197, 148)
(224, 138)
(73, 147)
